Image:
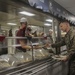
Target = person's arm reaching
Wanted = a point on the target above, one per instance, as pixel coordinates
(23, 45)
(59, 44)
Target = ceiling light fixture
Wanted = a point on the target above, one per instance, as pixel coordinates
(11, 23)
(49, 20)
(26, 13)
(47, 24)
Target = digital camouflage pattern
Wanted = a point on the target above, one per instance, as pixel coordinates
(69, 41)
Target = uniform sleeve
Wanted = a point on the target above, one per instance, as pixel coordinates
(59, 44)
(72, 49)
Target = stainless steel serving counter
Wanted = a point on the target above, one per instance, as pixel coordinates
(20, 63)
(47, 66)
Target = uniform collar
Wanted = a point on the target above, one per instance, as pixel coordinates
(68, 33)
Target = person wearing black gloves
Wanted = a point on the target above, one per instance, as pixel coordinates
(22, 32)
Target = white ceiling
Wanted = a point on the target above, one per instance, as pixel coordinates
(67, 4)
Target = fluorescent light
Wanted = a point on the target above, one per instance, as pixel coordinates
(32, 26)
(27, 13)
(72, 18)
(49, 20)
(47, 24)
(11, 23)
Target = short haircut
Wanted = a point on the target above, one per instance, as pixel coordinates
(64, 21)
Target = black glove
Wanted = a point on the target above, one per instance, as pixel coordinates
(29, 38)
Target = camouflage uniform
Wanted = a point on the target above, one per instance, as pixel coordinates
(69, 41)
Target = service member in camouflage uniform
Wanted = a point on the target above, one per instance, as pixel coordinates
(69, 41)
